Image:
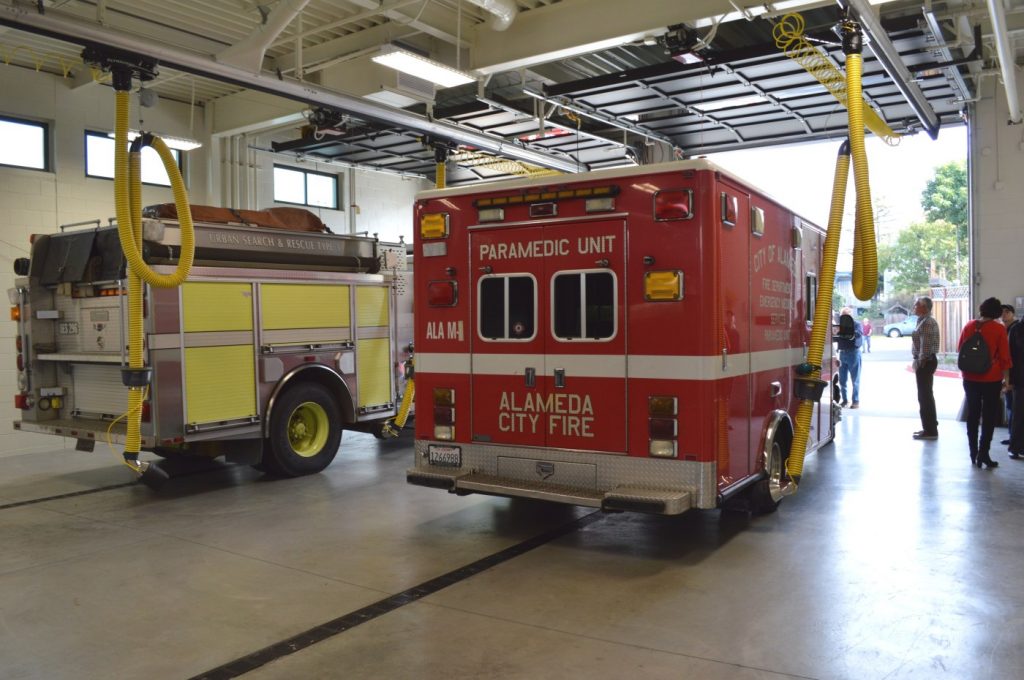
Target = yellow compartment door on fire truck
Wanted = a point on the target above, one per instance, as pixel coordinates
(549, 364)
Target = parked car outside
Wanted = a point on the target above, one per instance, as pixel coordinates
(901, 328)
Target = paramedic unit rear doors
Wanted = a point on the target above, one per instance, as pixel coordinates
(548, 340)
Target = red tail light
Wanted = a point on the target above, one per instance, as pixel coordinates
(663, 428)
(444, 415)
(147, 412)
(673, 204)
(441, 293)
(21, 401)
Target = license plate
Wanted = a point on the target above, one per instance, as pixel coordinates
(68, 328)
(445, 456)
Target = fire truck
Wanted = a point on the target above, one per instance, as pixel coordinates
(279, 339)
(624, 339)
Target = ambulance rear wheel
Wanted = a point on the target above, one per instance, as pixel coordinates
(305, 431)
(767, 493)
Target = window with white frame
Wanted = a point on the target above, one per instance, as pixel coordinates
(507, 307)
(305, 187)
(583, 305)
(99, 160)
(24, 143)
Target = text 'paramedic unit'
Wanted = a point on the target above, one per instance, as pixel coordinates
(624, 339)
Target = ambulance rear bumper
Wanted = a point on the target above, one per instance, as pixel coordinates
(620, 499)
(610, 482)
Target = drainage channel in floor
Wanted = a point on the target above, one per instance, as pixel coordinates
(296, 643)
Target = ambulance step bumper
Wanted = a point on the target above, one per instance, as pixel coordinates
(631, 499)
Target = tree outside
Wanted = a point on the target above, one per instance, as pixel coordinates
(937, 247)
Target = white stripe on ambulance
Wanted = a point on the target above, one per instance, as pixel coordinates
(609, 366)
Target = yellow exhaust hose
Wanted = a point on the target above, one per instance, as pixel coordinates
(128, 203)
(865, 255)
(393, 426)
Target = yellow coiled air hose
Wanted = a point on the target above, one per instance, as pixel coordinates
(865, 255)
(128, 202)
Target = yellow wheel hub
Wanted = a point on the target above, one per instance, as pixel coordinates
(307, 429)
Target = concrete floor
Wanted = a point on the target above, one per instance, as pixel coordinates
(896, 559)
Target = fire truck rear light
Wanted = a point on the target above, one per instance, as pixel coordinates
(665, 286)
(147, 412)
(665, 407)
(434, 225)
(593, 205)
(15, 313)
(543, 210)
(442, 293)
(444, 432)
(663, 428)
(21, 362)
(21, 401)
(662, 448)
(56, 402)
(673, 204)
(444, 415)
(491, 215)
(444, 396)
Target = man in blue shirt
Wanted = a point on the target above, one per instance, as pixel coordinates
(849, 339)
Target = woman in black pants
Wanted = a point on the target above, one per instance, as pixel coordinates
(983, 390)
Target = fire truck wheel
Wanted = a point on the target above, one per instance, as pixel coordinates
(766, 494)
(305, 431)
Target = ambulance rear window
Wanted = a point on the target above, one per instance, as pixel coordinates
(507, 307)
(583, 305)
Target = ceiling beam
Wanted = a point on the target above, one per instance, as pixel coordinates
(573, 27)
(340, 47)
(62, 26)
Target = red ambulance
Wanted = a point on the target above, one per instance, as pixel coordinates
(624, 339)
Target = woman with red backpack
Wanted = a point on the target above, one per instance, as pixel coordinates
(984, 362)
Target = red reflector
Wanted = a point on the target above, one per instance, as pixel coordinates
(441, 293)
(21, 362)
(444, 415)
(17, 342)
(673, 204)
(309, 358)
(147, 411)
(663, 428)
(21, 401)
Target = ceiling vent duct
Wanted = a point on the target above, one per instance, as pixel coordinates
(503, 11)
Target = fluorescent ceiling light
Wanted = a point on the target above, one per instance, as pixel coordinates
(421, 67)
(704, 107)
(179, 143)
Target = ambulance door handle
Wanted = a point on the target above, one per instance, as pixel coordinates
(775, 389)
(559, 377)
(531, 377)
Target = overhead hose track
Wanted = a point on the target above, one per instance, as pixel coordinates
(128, 203)
(789, 37)
(809, 385)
